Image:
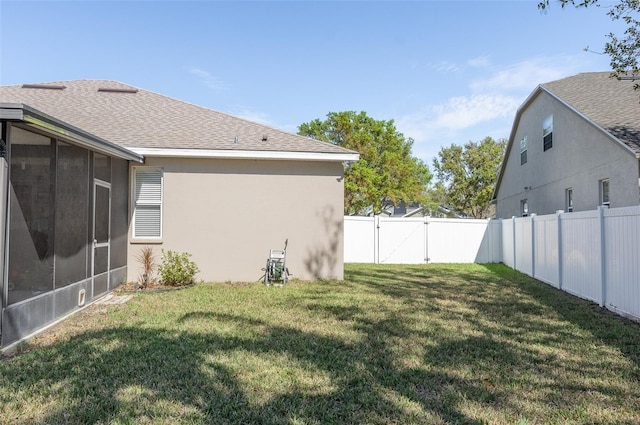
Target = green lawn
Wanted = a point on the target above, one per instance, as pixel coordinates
(391, 344)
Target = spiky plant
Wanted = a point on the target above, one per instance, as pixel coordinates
(147, 259)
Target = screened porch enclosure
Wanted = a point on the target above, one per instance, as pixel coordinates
(65, 221)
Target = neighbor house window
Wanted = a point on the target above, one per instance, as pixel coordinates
(547, 133)
(604, 192)
(523, 151)
(147, 202)
(524, 208)
(568, 195)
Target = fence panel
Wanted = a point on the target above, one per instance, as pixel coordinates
(564, 250)
(456, 240)
(359, 241)
(546, 264)
(581, 255)
(490, 250)
(402, 240)
(523, 244)
(508, 247)
(622, 259)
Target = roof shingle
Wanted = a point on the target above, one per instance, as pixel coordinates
(137, 118)
(611, 103)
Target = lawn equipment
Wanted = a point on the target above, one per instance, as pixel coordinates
(276, 272)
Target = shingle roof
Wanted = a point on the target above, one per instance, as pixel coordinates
(137, 118)
(610, 103)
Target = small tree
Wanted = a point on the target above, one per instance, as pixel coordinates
(177, 269)
(468, 174)
(386, 174)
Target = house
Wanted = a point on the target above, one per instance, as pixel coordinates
(91, 171)
(574, 145)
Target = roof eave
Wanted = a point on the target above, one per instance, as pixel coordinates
(623, 145)
(247, 154)
(31, 117)
(516, 120)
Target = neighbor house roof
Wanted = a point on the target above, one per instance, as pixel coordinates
(153, 124)
(609, 103)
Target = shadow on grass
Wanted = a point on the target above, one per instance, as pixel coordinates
(487, 343)
(532, 335)
(609, 328)
(126, 375)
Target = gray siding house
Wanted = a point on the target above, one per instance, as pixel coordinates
(574, 145)
(91, 171)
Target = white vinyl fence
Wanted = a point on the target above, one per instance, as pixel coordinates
(592, 254)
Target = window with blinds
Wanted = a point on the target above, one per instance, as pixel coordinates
(147, 197)
(547, 133)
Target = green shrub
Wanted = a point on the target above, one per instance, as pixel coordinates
(177, 269)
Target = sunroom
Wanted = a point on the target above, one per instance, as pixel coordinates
(63, 219)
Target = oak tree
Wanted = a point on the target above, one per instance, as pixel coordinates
(469, 173)
(386, 174)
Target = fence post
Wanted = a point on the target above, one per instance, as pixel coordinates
(559, 217)
(376, 239)
(427, 220)
(500, 242)
(515, 251)
(603, 270)
(533, 246)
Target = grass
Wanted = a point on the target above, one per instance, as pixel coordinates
(391, 344)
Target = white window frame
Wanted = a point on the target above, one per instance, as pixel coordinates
(547, 130)
(568, 199)
(523, 150)
(157, 202)
(605, 194)
(524, 207)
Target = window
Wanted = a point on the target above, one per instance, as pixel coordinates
(568, 196)
(523, 151)
(547, 133)
(604, 192)
(147, 201)
(524, 208)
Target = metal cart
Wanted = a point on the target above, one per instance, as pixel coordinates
(276, 272)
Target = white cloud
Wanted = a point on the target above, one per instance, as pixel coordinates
(255, 116)
(457, 114)
(458, 120)
(208, 79)
(445, 67)
(490, 105)
(479, 62)
(526, 75)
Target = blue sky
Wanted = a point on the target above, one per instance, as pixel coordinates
(445, 72)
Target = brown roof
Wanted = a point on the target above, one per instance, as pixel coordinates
(610, 103)
(137, 118)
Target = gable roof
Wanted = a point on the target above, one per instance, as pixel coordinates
(611, 104)
(148, 123)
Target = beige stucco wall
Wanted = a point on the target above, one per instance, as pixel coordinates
(229, 213)
(581, 156)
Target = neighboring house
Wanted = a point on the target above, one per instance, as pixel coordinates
(91, 171)
(413, 210)
(390, 210)
(574, 145)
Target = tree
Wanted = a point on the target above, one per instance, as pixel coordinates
(625, 51)
(469, 173)
(386, 172)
